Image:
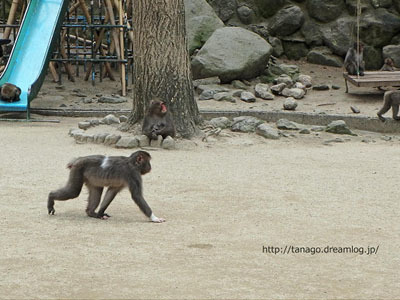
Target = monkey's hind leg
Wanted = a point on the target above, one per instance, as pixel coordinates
(385, 108)
(395, 110)
(71, 190)
(94, 200)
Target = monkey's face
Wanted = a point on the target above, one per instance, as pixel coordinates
(158, 107)
(145, 167)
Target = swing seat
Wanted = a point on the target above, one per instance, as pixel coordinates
(373, 79)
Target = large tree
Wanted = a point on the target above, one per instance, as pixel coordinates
(161, 62)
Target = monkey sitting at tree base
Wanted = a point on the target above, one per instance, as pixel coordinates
(9, 92)
(99, 171)
(391, 99)
(158, 121)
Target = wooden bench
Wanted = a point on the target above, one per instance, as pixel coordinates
(373, 79)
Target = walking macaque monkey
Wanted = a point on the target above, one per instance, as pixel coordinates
(10, 92)
(158, 121)
(354, 62)
(388, 65)
(99, 171)
(391, 99)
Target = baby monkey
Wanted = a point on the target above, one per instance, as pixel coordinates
(99, 171)
(9, 92)
(388, 65)
(391, 99)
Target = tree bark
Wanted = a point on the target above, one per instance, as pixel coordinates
(161, 62)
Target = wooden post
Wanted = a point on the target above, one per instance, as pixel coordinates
(11, 18)
(53, 71)
(121, 37)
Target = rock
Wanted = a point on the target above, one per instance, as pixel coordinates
(338, 127)
(290, 104)
(354, 109)
(321, 87)
(277, 47)
(245, 14)
(110, 119)
(268, 8)
(317, 128)
(325, 10)
(63, 105)
(84, 125)
(295, 49)
(262, 91)
(373, 58)
(201, 21)
(378, 27)
(338, 36)
(324, 56)
(237, 84)
(305, 80)
(225, 9)
(156, 143)
(245, 124)
(288, 125)
(143, 140)
(216, 57)
(112, 99)
(74, 131)
(87, 138)
(223, 96)
(214, 88)
(127, 142)
(312, 33)
(206, 81)
(286, 79)
(278, 88)
(111, 139)
(386, 138)
(335, 87)
(168, 143)
(267, 131)
(222, 122)
(305, 131)
(207, 95)
(87, 101)
(247, 97)
(287, 21)
(94, 122)
(336, 140)
(294, 92)
(123, 119)
(299, 85)
(99, 138)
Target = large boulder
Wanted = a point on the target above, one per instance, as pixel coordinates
(325, 10)
(225, 9)
(338, 36)
(287, 21)
(201, 21)
(378, 27)
(312, 33)
(232, 53)
(373, 58)
(269, 7)
(324, 56)
(392, 51)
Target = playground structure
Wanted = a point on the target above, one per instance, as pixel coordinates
(92, 41)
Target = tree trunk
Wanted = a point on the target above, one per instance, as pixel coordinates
(161, 62)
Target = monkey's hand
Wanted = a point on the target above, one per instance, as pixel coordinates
(154, 219)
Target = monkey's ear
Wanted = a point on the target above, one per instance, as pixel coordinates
(139, 159)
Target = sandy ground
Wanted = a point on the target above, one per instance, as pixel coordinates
(223, 201)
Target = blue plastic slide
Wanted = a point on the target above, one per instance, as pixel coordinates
(30, 56)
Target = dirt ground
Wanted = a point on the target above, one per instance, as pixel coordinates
(223, 202)
(226, 203)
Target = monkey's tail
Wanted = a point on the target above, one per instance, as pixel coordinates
(71, 163)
